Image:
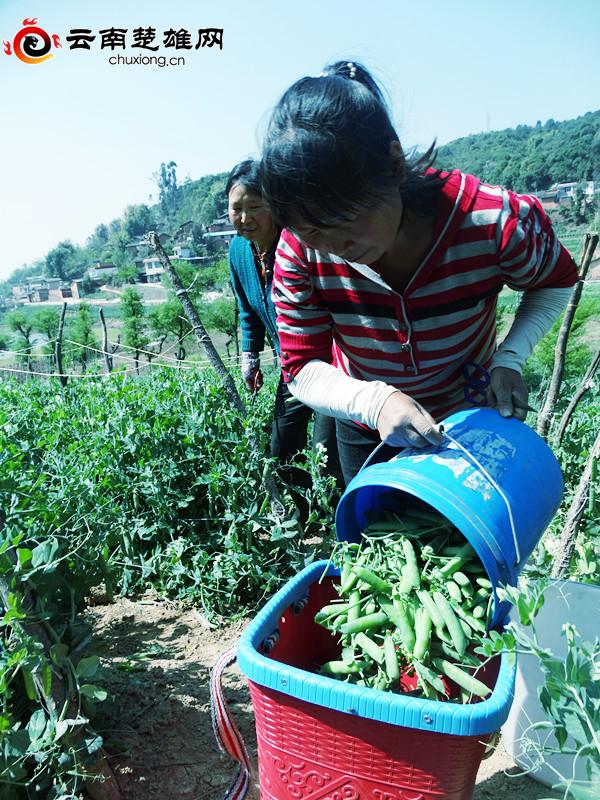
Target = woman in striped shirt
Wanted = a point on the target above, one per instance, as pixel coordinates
(388, 271)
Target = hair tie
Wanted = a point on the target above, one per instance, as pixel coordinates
(351, 70)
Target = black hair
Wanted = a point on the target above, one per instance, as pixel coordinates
(246, 173)
(326, 154)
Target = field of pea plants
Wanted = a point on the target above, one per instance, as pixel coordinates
(137, 538)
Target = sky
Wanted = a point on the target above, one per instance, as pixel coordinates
(81, 137)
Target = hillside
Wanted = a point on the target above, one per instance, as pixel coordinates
(530, 158)
(525, 158)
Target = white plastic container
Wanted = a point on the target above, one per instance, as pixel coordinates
(564, 601)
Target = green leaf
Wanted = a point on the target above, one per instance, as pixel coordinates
(93, 692)
(59, 653)
(44, 553)
(576, 729)
(36, 725)
(23, 556)
(93, 743)
(87, 667)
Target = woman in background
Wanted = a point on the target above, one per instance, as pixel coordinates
(251, 260)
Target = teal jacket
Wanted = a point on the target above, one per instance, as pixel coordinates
(257, 312)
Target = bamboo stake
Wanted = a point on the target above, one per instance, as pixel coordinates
(107, 356)
(207, 345)
(58, 347)
(569, 534)
(585, 385)
(545, 416)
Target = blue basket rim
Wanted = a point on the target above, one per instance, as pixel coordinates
(474, 719)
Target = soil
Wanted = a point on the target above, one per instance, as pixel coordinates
(156, 723)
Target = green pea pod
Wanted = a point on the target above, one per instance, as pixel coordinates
(462, 679)
(427, 602)
(461, 578)
(412, 569)
(365, 623)
(391, 659)
(373, 580)
(474, 623)
(369, 647)
(427, 675)
(406, 583)
(397, 614)
(451, 622)
(422, 633)
(29, 684)
(354, 606)
(454, 591)
(342, 667)
(327, 613)
(466, 552)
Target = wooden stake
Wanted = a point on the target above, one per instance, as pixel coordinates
(569, 535)
(207, 345)
(58, 347)
(585, 385)
(545, 416)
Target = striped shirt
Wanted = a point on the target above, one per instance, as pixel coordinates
(419, 340)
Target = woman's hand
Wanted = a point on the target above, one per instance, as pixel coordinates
(251, 373)
(402, 421)
(508, 393)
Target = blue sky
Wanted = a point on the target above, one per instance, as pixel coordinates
(81, 138)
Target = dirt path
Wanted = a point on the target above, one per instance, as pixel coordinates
(156, 723)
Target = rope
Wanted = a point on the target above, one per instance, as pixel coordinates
(227, 734)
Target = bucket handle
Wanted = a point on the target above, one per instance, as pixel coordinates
(485, 472)
(480, 466)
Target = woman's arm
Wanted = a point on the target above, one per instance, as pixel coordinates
(398, 418)
(533, 260)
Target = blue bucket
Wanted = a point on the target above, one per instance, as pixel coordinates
(503, 522)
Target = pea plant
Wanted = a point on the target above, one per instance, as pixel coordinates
(570, 694)
(125, 485)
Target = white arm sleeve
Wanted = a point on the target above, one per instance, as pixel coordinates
(537, 311)
(329, 391)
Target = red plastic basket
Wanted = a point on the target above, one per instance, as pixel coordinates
(310, 752)
(314, 753)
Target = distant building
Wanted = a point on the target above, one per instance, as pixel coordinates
(565, 191)
(38, 289)
(101, 271)
(149, 269)
(221, 229)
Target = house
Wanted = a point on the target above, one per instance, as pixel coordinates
(149, 269)
(38, 289)
(548, 199)
(220, 229)
(100, 271)
(566, 191)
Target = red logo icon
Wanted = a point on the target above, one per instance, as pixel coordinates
(32, 45)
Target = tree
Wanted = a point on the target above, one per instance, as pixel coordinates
(134, 323)
(82, 333)
(126, 274)
(61, 262)
(169, 319)
(45, 321)
(168, 190)
(137, 221)
(221, 315)
(18, 322)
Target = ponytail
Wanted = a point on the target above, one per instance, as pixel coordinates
(326, 154)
